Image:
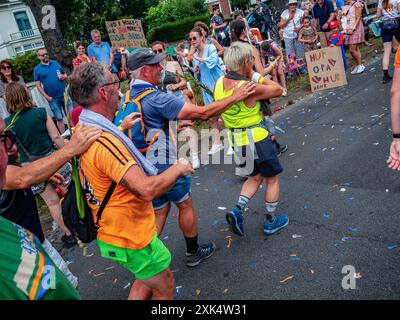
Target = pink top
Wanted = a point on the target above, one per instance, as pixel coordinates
(350, 12)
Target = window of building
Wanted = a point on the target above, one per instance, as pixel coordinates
(23, 23)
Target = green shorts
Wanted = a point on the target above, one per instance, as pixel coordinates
(144, 263)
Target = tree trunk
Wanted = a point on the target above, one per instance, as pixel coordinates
(52, 37)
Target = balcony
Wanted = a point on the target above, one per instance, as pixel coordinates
(25, 34)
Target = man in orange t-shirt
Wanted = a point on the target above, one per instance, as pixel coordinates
(127, 230)
(394, 156)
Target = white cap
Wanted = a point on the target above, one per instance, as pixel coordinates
(292, 2)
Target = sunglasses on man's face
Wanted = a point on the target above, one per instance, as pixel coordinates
(158, 51)
(8, 138)
(6, 68)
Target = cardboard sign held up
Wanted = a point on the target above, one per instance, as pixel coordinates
(127, 33)
(326, 68)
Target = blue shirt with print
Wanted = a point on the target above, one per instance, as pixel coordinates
(47, 75)
(340, 4)
(101, 53)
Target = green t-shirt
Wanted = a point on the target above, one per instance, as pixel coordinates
(31, 131)
(26, 271)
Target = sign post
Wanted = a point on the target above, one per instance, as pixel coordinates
(326, 68)
(127, 33)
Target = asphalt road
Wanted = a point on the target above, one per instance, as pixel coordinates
(340, 197)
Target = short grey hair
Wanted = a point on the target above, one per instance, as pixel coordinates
(94, 31)
(135, 74)
(86, 81)
(236, 55)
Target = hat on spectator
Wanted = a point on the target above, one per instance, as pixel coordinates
(292, 2)
(143, 57)
(334, 24)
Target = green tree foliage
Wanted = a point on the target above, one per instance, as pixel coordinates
(25, 64)
(174, 10)
(240, 4)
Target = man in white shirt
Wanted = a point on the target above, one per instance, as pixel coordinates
(291, 24)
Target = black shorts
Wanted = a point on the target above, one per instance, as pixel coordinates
(267, 163)
(388, 34)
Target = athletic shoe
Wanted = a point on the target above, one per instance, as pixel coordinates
(204, 252)
(230, 151)
(355, 70)
(216, 148)
(279, 222)
(284, 94)
(360, 69)
(386, 78)
(235, 220)
(195, 162)
(282, 149)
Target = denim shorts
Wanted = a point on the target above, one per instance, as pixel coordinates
(179, 193)
(57, 107)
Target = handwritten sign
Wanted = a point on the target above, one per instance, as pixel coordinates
(127, 33)
(326, 68)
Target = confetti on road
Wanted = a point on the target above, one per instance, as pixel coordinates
(312, 271)
(89, 255)
(376, 143)
(98, 274)
(305, 206)
(327, 216)
(224, 230)
(115, 281)
(198, 292)
(386, 190)
(127, 286)
(287, 279)
(391, 247)
(221, 208)
(178, 290)
(165, 238)
(295, 236)
(352, 229)
(342, 189)
(226, 291)
(110, 268)
(292, 154)
(299, 170)
(229, 238)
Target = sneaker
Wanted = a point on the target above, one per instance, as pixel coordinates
(69, 241)
(360, 69)
(216, 148)
(195, 163)
(355, 70)
(282, 149)
(386, 79)
(204, 252)
(230, 151)
(279, 222)
(235, 220)
(284, 94)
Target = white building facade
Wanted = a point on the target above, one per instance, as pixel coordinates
(19, 32)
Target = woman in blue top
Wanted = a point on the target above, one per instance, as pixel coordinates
(208, 69)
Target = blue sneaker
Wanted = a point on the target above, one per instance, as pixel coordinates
(279, 222)
(235, 220)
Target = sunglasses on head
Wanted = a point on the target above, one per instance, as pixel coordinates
(8, 138)
(158, 51)
(5, 67)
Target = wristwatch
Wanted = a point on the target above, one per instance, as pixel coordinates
(396, 135)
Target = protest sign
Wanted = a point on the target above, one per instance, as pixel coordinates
(127, 33)
(326, 68)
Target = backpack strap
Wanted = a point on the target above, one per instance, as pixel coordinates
(105, 201)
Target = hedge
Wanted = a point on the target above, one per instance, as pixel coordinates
(175, 31)
(25, 64)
